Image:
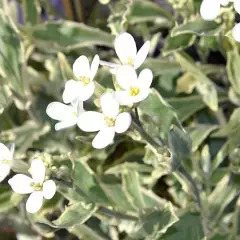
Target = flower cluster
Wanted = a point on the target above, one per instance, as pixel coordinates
(110, 120)
(210, 9)
(37, 186)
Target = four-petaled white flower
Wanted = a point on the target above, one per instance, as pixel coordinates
(36, 186)
(83, 88)
(68, 115)
(6, 160)
(135, 89)
(126, 50)
(107, 123)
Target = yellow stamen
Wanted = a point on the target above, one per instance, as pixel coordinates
(84, 80)
(36, 186)
(75, 114)
(5, 161)
(110, 121)
(130, 61)
(134, 91)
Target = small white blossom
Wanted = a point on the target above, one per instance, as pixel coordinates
(210, 9)
(6, 160)
(135, 89)
(68, 115)
(83, 88)
(126, 50)
(36, 186)
(107, 123)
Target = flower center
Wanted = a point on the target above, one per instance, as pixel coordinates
(109, 121)
(134, 91)
(6, 161)
(84, 80)
(36, 186)
(130, 61)
(75, 114)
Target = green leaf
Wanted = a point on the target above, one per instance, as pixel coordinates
(180, 146)
(131, 187)
(5, 97)
(174, 44)
(186, 83)
(153, 223)
(145, 11)
(233, 70)
(113, 189)
(31, 11)
(160, 112)
(84, 178)
(66, 69)
(161, 66)
(185, 107)
(199, 133)
(8, 199)
(10, 55)
(204, 86)
(221, 196)
(82, 231)
(77, 213)
(67, 35)
(188, 227)
(198, 27)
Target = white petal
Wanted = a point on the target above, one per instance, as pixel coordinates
(237, 6)
(49, 189)
(123, 98)
(143, 94)
(81, 67)
(145, 78)
(86, 92)
(21, 184)
(66, 124)
(78, 106)
(4, 171)
(236, 32)
(59, 111)
(5, 153)
(109, 105)
(142, 54)
(91, 121)
(126, 76)
(71, 91)
(123, 122)
(34, 202)
(224, 2)
(125, 47)
(94, 66)
(103, 138)
(210, 9)
(38, 170)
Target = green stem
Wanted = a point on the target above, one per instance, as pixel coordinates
(181, 169)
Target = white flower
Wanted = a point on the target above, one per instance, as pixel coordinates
(135, 88)
(36, 186)
(68, 115)
(210, 9)
(6, 160)
(126, 50)
(107, 123)
(83, 88)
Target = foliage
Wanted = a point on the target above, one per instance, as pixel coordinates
(175, 173)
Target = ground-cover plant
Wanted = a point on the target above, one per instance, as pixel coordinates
(122, 124)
